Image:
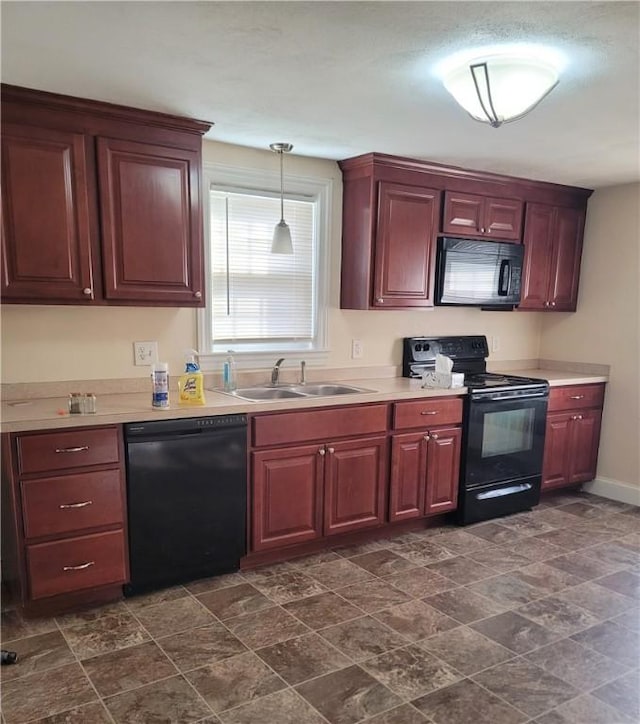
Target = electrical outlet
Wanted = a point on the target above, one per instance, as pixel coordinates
(145, 353)
(356, 349)
(495, 343)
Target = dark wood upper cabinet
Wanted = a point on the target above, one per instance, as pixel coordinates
(405, 246)
(101, 203)
(150, 219)
(46, 230)
(553, 248)
(394, 209)
(482, 216)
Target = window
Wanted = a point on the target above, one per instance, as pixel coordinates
(261, 304)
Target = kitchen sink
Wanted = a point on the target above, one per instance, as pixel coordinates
(265, 393)
(327, 389)
(280, 392)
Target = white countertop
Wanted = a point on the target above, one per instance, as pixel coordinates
(51, 413)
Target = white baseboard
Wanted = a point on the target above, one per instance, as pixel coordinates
(614, 490)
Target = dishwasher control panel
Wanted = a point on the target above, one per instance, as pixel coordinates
(221, 421)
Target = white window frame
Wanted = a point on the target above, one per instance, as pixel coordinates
(316, 188)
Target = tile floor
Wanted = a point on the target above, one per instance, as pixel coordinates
(531, 618)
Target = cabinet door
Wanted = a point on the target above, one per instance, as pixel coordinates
(538, 239)
(355, 477)
(287, 496)
(585, 437)
(408, 476)
(151, 225)
(565, 262)
(463, 214)
(405, 246)
(46, 227)
(555, 466)
(443, 470)
(503, 219)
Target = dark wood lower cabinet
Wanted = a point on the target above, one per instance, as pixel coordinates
(571, 448)
(354, 487)
(286, 496)
(572, 435)
(425, 468)
(443, 470)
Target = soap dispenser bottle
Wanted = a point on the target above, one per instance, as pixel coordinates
(229, 373)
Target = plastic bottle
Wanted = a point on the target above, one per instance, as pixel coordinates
(191, 383)
(229, 373)
(160, 379)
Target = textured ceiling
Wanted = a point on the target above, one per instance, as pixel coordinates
(338, 79)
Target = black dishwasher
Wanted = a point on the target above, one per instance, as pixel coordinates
(187, 499)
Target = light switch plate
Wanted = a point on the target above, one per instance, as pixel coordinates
(145, 353)
(356, 349)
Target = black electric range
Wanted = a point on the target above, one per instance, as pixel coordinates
(503, 427)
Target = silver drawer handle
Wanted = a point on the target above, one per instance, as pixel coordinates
(433, 412)
(79, 568)
(81, 448)
(76, 505)
(576, 397)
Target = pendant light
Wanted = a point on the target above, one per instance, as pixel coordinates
(281, 243)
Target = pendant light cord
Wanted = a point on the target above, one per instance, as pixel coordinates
(281, 186)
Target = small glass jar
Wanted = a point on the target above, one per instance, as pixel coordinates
(89, 403)
(75, 403)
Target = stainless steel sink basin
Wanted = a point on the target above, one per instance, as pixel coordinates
(327, 389)
(267, 392)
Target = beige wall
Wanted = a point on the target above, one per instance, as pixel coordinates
(605, 329)
(49, 343)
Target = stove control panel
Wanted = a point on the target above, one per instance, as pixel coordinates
(419, 353)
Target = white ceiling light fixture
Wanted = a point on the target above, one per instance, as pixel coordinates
(501, 85)
(281, 243)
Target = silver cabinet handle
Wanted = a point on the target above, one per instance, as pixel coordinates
(330, 450)
(434, 437)
(197, 295)
(380, 300)
(81, 567)
(322, 451)
(546, 304)
(552, 304)
(427, 438)
(76, 505)
(429, 412)
(87, 291)
(579, 417)
(576, 397)
(81, 448)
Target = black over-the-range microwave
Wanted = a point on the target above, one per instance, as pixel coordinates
(475, 273)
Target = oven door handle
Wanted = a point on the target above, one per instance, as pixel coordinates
(500, 492)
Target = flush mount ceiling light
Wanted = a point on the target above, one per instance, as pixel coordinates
(281, 243)
(501, 85)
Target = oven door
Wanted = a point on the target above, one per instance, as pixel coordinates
(504, 440)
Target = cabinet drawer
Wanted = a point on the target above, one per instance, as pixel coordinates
(293, 427)
(76, 563)
(68, 503)
(427, 413)
(73, 449)
(575, 397)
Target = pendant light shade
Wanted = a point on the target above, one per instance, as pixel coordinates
(501, 87)
(281, 243)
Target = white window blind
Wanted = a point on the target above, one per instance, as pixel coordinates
(259, 299)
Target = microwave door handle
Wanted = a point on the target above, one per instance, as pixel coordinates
(505, 272)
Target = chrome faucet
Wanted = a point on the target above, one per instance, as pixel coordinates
(275, 372)
(303, 380)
